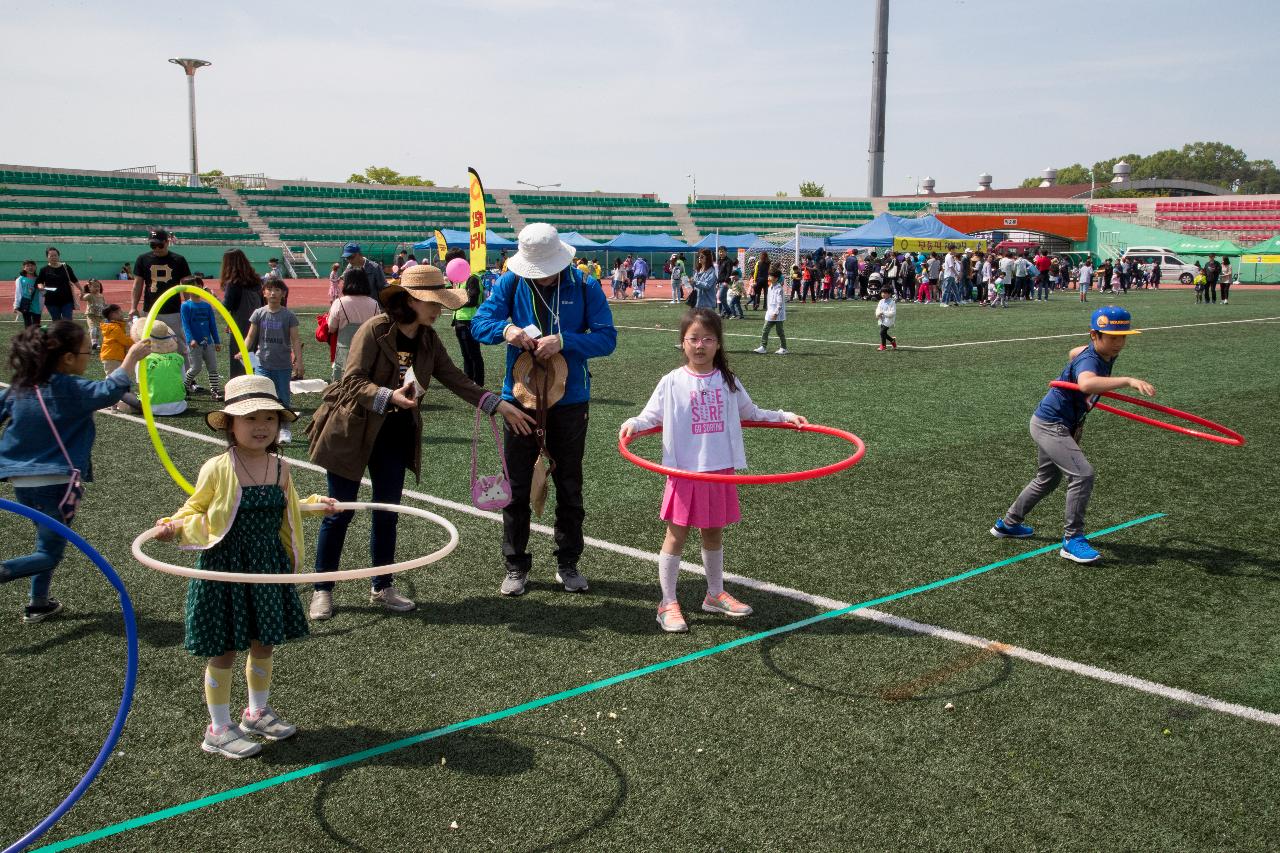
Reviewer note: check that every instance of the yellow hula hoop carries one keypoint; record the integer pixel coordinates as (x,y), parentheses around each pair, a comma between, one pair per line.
(310,577)
(143,393)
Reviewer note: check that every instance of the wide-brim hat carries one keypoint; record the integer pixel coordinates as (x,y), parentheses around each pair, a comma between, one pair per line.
(426,284)
(541,253)
(530,374)
(244,395)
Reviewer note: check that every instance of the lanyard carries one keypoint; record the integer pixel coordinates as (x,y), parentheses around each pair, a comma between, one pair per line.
(553,313)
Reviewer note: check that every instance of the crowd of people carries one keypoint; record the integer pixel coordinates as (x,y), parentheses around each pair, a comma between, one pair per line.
(548,310)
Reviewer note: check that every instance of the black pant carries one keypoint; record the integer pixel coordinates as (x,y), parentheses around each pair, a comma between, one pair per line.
(885,338)
(32,318)
(472,358)
(1211,291)
(566,442)
(1226,288)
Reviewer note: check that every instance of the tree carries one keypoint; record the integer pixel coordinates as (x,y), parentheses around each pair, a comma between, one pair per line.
(218,178)
(1209,162)
(388,177)
(780,194)
(811,189)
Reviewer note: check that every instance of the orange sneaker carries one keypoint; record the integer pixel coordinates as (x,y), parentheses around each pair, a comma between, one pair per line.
(671,619)
(726,604)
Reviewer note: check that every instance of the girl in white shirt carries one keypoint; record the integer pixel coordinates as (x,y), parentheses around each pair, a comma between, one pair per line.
(887,316)
(700,407)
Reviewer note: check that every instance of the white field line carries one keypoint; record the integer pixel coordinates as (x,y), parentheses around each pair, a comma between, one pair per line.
(1107,676)
(974,343)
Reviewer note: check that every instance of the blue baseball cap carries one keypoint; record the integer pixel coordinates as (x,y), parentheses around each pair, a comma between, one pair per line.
(350,249)
(1113,320)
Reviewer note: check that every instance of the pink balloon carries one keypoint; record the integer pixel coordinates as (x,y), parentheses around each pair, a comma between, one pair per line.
(457,270)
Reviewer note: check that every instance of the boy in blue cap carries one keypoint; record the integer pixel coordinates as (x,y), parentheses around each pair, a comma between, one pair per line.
(1056,428)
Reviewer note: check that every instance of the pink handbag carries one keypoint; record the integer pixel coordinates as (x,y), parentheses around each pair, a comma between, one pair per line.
(492,492)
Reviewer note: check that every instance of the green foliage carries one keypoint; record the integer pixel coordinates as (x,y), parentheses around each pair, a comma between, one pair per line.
(812,189)
(1209,162)
(217,178)
(388,177)
(780,194)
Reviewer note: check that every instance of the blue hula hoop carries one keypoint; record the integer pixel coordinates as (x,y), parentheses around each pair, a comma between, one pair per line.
(130,677)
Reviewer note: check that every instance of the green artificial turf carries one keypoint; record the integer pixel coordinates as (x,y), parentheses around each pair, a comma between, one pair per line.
(831,737)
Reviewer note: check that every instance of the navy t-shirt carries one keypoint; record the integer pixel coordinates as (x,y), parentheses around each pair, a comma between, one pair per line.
(1070,407)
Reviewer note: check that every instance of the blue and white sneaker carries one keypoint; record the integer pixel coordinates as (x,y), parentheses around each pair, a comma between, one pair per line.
(1077,549)
(1011,531)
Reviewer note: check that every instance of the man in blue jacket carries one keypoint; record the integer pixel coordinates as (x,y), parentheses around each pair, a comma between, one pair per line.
(544,306)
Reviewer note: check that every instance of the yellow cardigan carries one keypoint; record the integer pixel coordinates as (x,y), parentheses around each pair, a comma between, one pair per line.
(210,511)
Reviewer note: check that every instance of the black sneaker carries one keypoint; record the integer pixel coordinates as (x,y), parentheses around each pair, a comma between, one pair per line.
(41,612)
(573,580)
(514,582)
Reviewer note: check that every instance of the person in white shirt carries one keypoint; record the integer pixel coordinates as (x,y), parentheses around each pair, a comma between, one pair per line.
(701,406)
(950,275)
(887,316)
(1086,278)
(775,313)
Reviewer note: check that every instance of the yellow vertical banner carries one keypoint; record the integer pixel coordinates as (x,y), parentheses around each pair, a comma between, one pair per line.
(479,223)
(442,245)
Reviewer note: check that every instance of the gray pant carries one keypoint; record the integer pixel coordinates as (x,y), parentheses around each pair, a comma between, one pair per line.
(1057,453)
(204,356)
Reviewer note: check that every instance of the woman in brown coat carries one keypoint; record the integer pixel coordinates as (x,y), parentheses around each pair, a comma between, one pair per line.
(370,420)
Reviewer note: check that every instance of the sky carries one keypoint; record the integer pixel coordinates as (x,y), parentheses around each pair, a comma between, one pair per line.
(751,97)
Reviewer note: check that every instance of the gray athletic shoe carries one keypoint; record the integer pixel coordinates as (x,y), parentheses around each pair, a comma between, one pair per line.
(392,600)
(229,742)
(573,580)
(267,725)
(513,584)
(321,605)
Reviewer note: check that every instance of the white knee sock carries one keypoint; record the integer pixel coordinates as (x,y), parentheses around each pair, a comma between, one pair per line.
(668,571)
(713,562)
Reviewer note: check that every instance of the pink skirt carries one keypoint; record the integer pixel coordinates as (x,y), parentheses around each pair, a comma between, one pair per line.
(698,503)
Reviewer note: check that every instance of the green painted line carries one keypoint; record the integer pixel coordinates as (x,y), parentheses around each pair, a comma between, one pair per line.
(423,737)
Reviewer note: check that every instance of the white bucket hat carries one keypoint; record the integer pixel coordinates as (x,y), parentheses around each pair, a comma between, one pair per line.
(541,253)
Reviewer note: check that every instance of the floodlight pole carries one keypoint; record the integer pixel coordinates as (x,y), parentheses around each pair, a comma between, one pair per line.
(190,66)
(879,65)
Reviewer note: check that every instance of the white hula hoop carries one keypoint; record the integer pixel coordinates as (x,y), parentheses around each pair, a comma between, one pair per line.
(310,577)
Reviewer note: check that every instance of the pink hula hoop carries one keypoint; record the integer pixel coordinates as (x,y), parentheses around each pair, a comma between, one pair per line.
(751,479)
(1225,436)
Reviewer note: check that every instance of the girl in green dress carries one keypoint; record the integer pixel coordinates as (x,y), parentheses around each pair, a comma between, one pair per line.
(244,516)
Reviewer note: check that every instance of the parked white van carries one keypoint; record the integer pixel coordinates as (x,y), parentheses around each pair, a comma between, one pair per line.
(1172,267)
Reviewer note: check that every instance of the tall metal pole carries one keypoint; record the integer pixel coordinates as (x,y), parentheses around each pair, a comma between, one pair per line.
(879,63)
(190,66)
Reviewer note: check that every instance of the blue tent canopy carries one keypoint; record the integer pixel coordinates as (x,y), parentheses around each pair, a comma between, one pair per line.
(582,244)
(881,231)
(629,242)
(730,241)
(462,240)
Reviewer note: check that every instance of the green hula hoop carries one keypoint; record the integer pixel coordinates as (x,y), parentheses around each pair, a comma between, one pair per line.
(143,393)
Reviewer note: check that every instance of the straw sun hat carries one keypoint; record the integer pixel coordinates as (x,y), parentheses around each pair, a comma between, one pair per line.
(426,284)
(541,253)
(246,394)
(529,375)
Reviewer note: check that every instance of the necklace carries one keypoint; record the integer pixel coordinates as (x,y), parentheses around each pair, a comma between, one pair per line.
(252,479)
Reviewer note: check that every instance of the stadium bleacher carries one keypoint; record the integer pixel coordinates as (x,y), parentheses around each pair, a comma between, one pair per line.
(598,217)
(301,213)
(57,205)
(730,215)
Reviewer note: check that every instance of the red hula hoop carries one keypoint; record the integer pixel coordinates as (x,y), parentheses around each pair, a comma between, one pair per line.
(1226,436)
(751,479)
